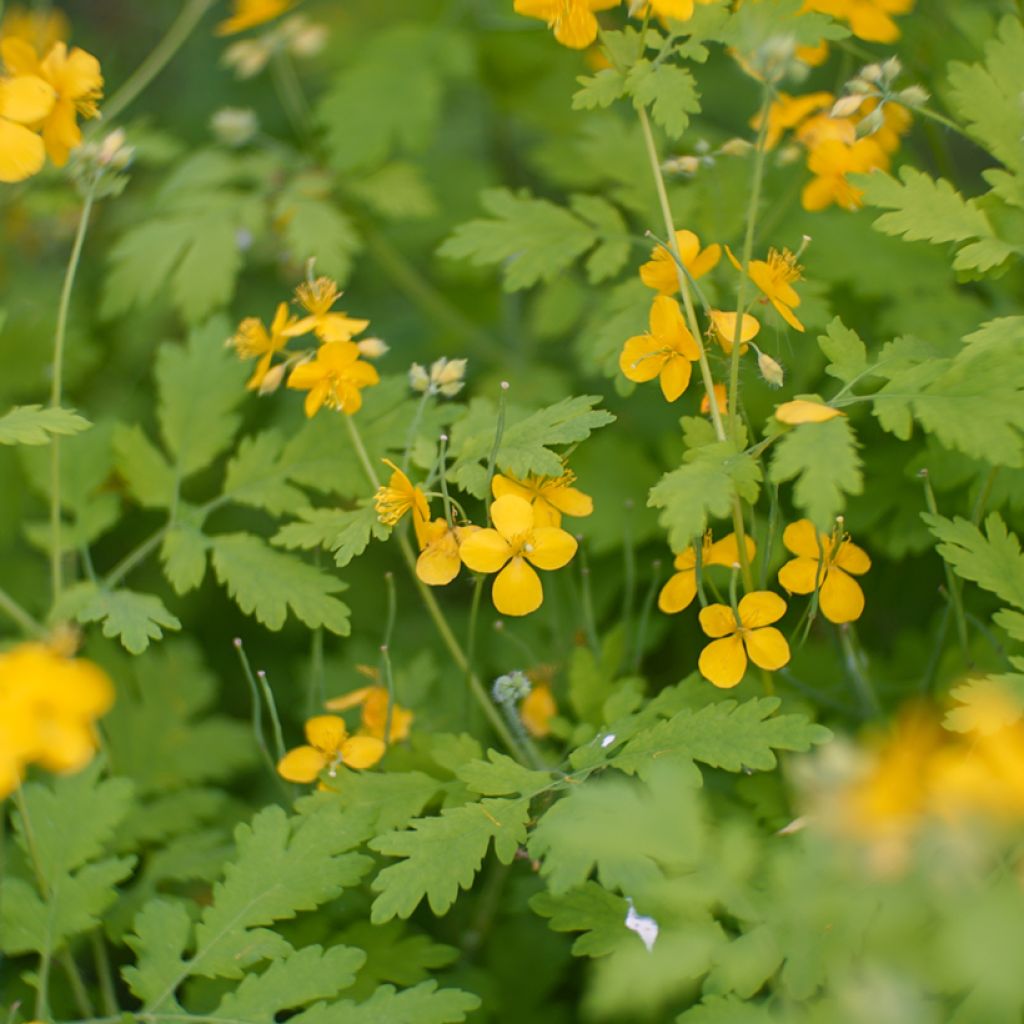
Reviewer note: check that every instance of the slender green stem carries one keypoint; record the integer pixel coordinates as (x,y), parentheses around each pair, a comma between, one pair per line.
(628,570)
(434,610)
(289,91)
(645,616)
(104,972)
(57,385)
(135,557)
(275,721)
(17,614)
(769,541)
(256,713)
(385,653)
(587,603)
(46,955)
(78,990)
(858,671)
(181,28)
(417,419)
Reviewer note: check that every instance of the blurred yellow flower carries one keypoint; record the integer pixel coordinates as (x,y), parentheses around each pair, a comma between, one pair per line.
(250,13)
(677,10)
(830,161)
(681,588)
(750,635)
(775,277)
(25,101)
(329,745)
(825,563)
(317,297)
(40,29)
(252,339)
(551,496)
(666,351)
(537,709)
(721,400)
(573,21)
(372,702)
(660,272)
(787,112)
(870,20)
(511,549)
(335,378)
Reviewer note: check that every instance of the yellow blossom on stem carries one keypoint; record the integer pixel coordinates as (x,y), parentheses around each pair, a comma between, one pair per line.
(551,496)
(870,20)
(439,562)
(77,88)
(372,702)
(775,277)
(398,496)
(721,400)
(787,112)
(335,378)
(660,272)
(680,590)
(572,21)
(316,298)
(252,339)
(537,709)
(826,563)
(737,638)
(511,549)
(328,745)
(830,162)
(666,351)
(250,13)
(25,100)
(723,327)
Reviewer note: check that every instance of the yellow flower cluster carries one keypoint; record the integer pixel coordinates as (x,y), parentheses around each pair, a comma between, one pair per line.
(334,375)
(41,99)
(49,704)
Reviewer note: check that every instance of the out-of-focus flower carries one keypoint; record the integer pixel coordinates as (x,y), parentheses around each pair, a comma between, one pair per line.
(234,126)
(335,378)
(801,411)
(252,339)
(537,710)
(373,702)
(317,297)
(572,21)
(40,29)
(248,14)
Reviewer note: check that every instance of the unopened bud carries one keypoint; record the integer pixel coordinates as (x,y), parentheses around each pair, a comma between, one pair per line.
(735,147)
(913,96)
(871,123)
(847,106)
(307,39)
(419,379)
(247,58)
(113,152)
(871,73)
(770,370)
(234,126)
(892,69)
(272,379)
(372,348)
(511,688)
(682,165)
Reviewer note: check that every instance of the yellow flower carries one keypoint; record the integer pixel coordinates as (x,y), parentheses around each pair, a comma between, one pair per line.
(77,86)
(677,10)
(511,549)
(830,162)
(40,29)
(801,411)
(537,710)
(573,21)
(48,707)
(439,562)
(250,13)
(774,277)
(723,327)
(660,272)
(399,496)
(824,563)
(372,702)
(551,496)
(724,661)
(681,588)
(335,378)
(721,400)
(253,339)
(665,352)
(329,746)
(787,112)
(896,121)
(870,20)
(25,101)
(316,298)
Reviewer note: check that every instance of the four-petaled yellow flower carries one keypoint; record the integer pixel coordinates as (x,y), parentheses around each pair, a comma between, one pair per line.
(665,352)
(824,563)
(775,276)
(511,549)
(551,496)
(537,709)
(681,588)
(573,21)
(329,745)
(250,13)
(335,378)
(317,297)
(723,327)
(398,496)
(661,273)
(439,562)
(252,339)
(372,702)
(76,84)
(750,635)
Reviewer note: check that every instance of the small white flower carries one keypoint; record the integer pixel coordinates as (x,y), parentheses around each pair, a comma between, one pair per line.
(645,927)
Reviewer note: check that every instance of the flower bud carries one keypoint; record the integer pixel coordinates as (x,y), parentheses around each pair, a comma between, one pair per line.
(871,123)
(735,147)
(446,373)
(871,73)
(892,69)
(770,370)
(846,106)
(234,126)
(913,96)
(511,688)
(682,165)
(419,379)
(247,58)
(305,38)
(272,379)
(373,348)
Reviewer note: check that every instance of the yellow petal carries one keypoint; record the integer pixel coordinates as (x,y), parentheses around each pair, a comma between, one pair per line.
(675,376)
(576,28)
(760,608)
(723,662)
(717,620)
(502,485)
(348,700)
(517,589)
(326,733)
(767,648)
(512,516)
(362,751)
(551,547)
(26,98)
(485,551)
(571,502)
(439,563)
(678,593)
(798,575)
(724,325)
(803,539)
(787,314)
(19,57)
(841,599)
(642,358)
(851,558)
(22,153)
(537,710)
(727,552)
(666,318)
(801,411)
(303,764)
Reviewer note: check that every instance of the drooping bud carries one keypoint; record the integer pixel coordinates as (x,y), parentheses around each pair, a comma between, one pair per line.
(847,106)
(770,370)
(272,379)
(373,348)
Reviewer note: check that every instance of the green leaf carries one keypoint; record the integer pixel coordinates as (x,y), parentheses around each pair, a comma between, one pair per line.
(669,90)
(346,532)
(847,353)
(162,931)
(199,384)
(398,191)
(255,477)
(590,909)
(728,1010)
(745,964)
(315,227)
(443,854)
(392,798)
(34,424)
(704,486)
(395,955)
(823,459)
(599,90)
(424,1004)
(266,583)
(133,618)
(611,254)
(533,239)
(499,775)
(183,556)
(721,735)
(144,468)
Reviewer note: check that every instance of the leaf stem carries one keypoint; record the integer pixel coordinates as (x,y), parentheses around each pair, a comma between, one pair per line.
(46,954)
(16,613)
